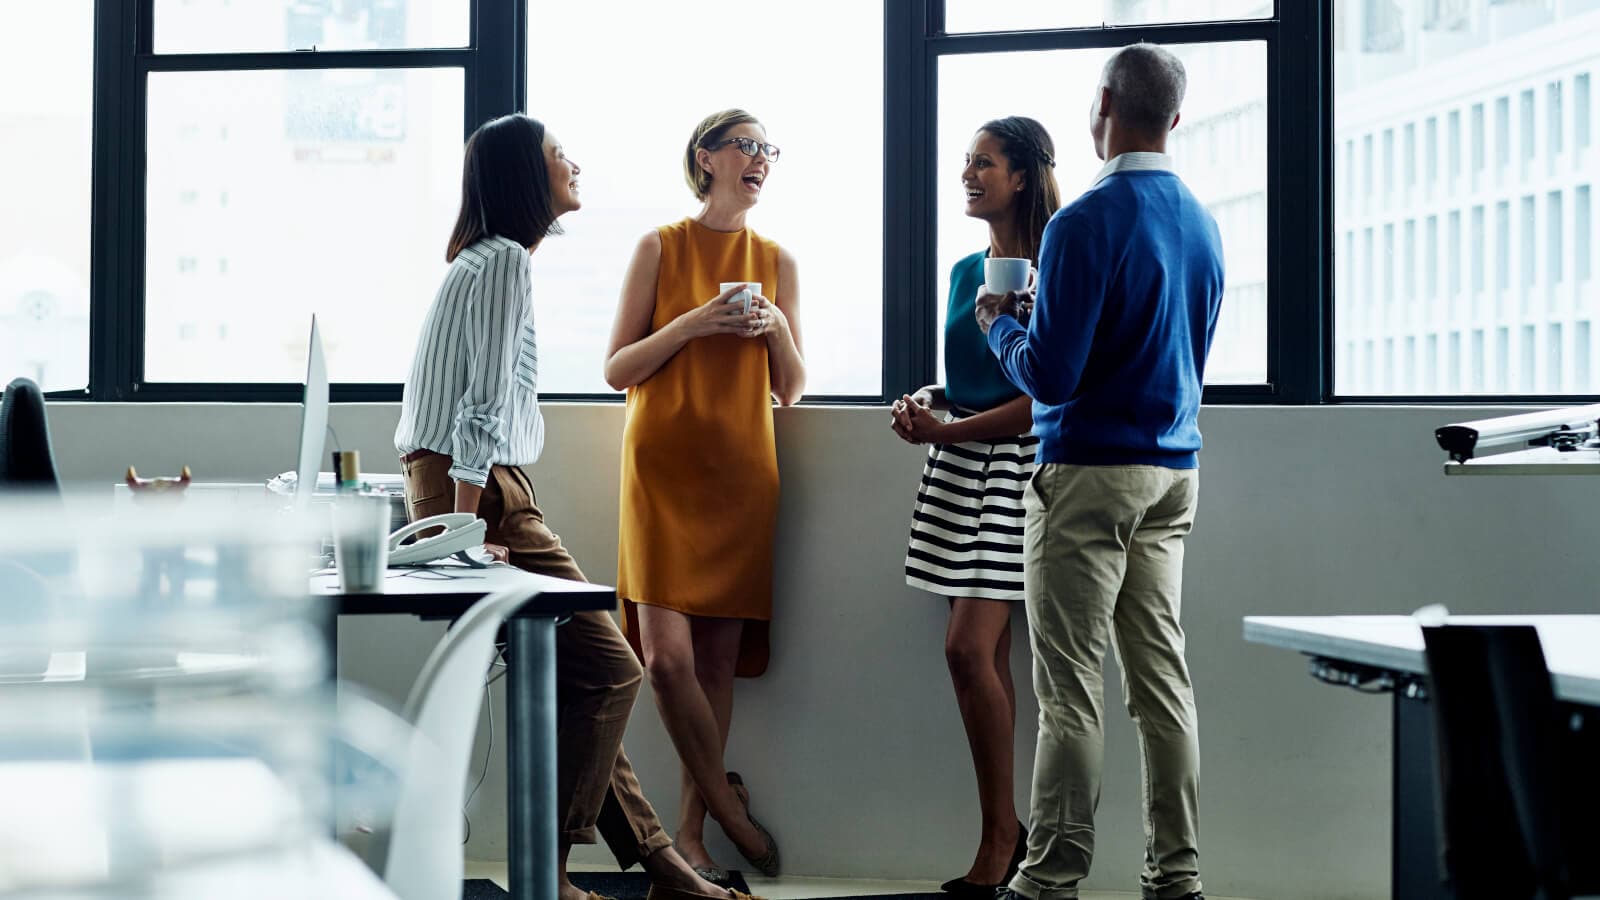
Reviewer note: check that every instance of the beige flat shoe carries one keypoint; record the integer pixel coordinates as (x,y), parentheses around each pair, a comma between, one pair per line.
(768,863)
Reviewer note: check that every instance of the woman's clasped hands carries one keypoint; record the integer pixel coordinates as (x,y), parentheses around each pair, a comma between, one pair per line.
(912,418)
(719,316)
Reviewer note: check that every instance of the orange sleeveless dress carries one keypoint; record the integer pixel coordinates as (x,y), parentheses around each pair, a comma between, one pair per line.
(699,464)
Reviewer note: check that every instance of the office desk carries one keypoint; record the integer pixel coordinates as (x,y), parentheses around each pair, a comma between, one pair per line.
(1533,461)
(446,591)
(1386,652)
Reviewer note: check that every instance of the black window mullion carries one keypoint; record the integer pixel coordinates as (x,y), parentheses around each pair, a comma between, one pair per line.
(910,107)
(302,59)
(1299,227)
(1099,38)
(111,300)
(495,29)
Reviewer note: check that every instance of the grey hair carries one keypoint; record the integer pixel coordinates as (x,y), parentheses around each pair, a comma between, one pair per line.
(1147,84)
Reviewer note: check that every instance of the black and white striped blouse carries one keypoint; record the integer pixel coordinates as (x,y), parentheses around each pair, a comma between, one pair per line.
(473,389)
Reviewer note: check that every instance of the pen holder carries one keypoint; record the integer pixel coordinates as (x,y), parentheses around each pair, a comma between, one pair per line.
(360,542)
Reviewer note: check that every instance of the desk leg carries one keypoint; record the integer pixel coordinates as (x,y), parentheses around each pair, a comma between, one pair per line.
(1414,868)
(531,758)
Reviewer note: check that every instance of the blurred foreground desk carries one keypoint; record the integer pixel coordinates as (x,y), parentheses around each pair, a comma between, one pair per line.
(1384,653)
(446,591)
(155,829)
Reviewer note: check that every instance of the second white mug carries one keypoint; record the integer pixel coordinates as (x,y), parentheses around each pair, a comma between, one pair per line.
(1002,274)
(745,296)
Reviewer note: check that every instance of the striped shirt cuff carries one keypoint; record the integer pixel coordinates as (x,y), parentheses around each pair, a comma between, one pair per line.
(470,475)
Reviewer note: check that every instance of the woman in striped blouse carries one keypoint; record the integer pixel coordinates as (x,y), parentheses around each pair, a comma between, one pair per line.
(966,528)
(469,422)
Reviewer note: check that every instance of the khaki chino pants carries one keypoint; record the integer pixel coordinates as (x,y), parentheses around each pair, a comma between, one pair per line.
(597,675)
(1103,566)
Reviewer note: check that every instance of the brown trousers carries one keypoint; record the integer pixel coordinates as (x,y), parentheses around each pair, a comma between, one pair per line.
(597,675)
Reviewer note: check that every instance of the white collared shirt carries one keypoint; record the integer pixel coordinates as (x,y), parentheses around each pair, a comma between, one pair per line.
(1138,161)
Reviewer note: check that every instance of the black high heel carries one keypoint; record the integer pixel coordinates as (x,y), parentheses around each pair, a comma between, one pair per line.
(968,890)
(1019,854)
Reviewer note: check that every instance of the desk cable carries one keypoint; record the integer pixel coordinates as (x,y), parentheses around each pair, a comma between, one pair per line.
(497,671)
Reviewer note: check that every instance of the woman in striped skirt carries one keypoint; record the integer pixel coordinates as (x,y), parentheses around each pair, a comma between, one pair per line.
(966,528)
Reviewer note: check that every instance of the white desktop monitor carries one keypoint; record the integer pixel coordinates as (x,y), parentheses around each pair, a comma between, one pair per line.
(313,420)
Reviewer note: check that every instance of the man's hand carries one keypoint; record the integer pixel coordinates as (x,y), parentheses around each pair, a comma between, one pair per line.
(990,307)
(931,396)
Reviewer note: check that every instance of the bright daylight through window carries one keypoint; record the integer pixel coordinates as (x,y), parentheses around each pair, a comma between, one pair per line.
(273,195)
(44,232)
(625,113)
(1219,147)
(1463,197)
(209,26)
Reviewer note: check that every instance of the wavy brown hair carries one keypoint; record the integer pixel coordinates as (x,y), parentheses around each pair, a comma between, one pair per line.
(1029,149)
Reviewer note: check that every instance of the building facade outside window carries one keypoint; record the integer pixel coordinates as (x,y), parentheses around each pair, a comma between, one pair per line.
(1518,183)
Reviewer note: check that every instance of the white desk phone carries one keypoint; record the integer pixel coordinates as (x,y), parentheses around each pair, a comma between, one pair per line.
(462,532)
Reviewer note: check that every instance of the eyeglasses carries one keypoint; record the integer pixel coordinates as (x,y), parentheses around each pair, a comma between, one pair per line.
(749,147)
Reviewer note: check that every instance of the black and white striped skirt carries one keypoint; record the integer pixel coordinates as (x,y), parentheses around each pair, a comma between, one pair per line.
(966,529)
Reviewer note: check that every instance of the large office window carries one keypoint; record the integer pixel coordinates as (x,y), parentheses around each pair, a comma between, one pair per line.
(1517,60)
(260,163)
(1044,60)
(1436,240)
(625,115)
(366,164)
(1220,148)
(45,141)
(275,194)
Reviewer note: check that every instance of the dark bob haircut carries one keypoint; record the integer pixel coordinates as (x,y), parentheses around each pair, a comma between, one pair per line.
(505,185)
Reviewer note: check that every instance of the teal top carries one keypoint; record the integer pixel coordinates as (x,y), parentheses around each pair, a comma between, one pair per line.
(973,377)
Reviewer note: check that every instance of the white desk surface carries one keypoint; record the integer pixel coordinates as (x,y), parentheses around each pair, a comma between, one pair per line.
(1571,643)
(450,577)
(1533,461)
(446,590)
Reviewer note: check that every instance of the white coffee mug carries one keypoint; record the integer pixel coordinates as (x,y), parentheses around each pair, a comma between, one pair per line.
(360,542)
(1002,274)
(745,296)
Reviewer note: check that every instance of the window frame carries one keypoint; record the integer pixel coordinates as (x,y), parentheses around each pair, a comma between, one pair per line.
(1299,40)
(492,67)
(1297,232)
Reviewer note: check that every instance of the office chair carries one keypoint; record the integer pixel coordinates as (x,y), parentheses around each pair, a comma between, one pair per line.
(422,859)
(1511,785)
(25,457)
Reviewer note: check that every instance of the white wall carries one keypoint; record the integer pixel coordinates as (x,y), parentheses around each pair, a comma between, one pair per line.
(852,744)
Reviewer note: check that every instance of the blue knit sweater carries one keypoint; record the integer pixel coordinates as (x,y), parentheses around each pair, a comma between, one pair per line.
(1130,282)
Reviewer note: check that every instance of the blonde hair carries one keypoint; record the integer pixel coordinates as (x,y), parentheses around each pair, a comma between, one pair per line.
(710,130)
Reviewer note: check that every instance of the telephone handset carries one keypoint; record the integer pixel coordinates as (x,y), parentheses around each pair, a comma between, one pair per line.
(462,532)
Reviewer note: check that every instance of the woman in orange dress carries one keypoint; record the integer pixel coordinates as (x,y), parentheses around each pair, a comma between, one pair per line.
(699,465)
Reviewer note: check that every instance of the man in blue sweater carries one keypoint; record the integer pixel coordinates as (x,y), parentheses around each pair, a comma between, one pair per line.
(1130,282)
